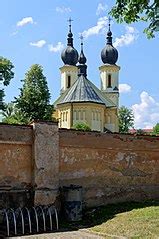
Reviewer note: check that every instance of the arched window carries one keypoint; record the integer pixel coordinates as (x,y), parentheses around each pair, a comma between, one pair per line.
(84,115)
(63,116)
(66,116)
(81,114)
(74,115)
(109,81)
(68,81)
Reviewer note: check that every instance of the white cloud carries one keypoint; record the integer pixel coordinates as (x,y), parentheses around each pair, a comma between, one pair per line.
(57,48)
(99,28)
(39,43)
(127,39)
(101,8)
(124,88)
(146,112)
(63,9)
(24,21)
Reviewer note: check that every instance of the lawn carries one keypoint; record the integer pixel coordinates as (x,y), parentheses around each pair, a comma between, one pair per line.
(129,220)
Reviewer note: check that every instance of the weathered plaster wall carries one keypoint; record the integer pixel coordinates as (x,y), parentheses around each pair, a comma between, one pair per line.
(46,163)
(15,164)
(110,167)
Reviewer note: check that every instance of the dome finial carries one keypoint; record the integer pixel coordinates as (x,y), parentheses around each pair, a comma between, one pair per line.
(81,37)
(82,68)
(109,21)
(70,35)
(70,20)
(109,33)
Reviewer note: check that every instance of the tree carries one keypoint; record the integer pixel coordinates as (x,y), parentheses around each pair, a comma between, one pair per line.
(140,132)
(126,119)
(33,102)
(138,10)
(82,126)
(6,74)
(156,129)
(11,115)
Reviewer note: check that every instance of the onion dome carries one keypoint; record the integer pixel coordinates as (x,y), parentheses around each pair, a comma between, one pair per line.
(109,54)
(82,68)
(69,55)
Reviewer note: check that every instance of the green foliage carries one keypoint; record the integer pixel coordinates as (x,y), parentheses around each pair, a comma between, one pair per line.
(6,67)
(126,119)
(11,115)
(140,10)
(6,74)
(82,126)
(140,132)
(156,129)
(1,99)
(33,102)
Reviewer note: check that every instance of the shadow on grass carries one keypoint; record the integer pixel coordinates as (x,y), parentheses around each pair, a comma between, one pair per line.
(96,216)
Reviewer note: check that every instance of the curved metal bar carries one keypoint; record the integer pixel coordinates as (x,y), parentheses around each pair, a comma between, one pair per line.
(22,219)
(56,216)
(29,219)
(37,221)
(50,217)
(7,221)
(44,222)
(15,222)
(57,221)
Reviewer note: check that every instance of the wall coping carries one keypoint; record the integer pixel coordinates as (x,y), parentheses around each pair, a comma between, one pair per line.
(16,125)
(61,130)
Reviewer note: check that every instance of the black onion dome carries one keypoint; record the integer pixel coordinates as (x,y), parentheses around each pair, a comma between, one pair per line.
(109,54)
(69,55)
(82,59)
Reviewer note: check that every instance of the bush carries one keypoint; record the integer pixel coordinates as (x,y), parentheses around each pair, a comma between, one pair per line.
(81,126)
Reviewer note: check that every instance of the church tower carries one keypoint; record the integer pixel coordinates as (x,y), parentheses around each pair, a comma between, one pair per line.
(69,57)
(80,100)
(109,71)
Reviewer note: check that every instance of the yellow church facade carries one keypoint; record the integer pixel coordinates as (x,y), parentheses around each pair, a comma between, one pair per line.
(80,101)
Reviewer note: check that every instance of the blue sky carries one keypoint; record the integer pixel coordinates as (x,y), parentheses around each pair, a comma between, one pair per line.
(35,31)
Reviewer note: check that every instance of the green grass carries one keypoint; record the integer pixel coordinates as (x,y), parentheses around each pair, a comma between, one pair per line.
(130,220)
(134,220)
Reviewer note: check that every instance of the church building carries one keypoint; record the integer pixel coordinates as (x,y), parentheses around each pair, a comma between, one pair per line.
(80,100)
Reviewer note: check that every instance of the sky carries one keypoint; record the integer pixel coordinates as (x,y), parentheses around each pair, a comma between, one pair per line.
(35,32)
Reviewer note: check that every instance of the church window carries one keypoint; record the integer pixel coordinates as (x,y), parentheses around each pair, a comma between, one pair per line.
(97,116)
(74,115)
(81,114)
(109,81)
(108,119)
(84,115)
(77,115)
(63,116)
(68,81)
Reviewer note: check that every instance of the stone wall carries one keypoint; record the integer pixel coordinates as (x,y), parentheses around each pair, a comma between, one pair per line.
(15,164)
(110,167)
(36,160)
